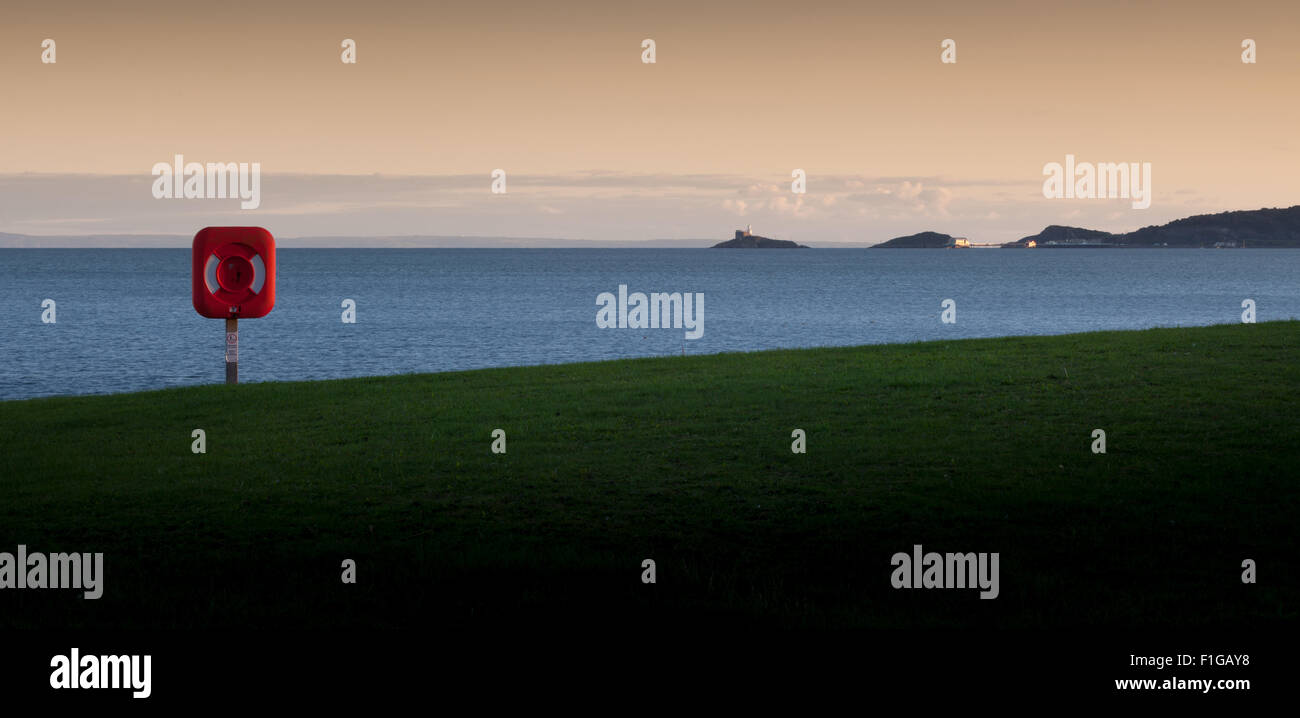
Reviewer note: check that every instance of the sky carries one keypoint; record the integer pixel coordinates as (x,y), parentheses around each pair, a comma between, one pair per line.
(597,144)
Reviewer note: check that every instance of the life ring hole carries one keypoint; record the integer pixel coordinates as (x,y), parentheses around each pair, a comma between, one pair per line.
(235,274)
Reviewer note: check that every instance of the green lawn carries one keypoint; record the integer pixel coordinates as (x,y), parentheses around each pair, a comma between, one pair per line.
(973,445)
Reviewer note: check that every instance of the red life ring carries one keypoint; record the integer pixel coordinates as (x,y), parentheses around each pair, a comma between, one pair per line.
(234,272)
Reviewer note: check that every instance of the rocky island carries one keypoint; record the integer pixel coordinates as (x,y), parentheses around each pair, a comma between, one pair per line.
(920,240)
(744,239)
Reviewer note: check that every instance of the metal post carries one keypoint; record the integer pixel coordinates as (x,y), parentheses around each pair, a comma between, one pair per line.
(232,351)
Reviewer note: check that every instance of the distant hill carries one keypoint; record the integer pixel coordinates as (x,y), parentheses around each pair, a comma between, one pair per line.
(1055,235)
(921,240)
(28,241)
(1256,228)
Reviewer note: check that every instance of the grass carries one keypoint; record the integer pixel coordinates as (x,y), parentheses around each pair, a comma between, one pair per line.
(972,445)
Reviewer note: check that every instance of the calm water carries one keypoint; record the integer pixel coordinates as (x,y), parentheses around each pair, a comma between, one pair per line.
(125,321)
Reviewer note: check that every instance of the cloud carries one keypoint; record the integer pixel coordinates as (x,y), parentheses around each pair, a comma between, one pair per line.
(782,204)
(738,206)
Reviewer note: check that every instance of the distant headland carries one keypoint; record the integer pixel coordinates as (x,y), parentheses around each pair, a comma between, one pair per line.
(1257,228)
(746,239)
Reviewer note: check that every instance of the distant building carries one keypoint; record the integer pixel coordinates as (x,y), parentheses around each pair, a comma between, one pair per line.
(959,243)
(742,233)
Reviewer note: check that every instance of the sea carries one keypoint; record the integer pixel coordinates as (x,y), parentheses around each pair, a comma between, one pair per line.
(123,319)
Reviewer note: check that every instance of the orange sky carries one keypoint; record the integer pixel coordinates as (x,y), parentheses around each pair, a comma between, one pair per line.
(745,89)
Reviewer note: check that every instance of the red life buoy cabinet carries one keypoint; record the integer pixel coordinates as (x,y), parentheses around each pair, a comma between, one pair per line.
(233,272)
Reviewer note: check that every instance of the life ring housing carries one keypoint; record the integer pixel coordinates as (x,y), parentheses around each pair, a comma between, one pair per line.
(234,272)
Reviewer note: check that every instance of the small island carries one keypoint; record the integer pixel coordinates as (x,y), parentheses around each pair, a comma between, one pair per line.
(745,239)
(920,240)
